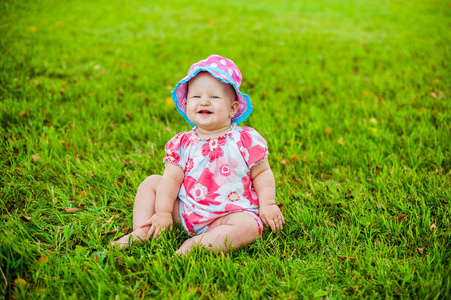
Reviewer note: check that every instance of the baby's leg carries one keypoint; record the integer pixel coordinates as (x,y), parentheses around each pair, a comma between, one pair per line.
(236,229)
(143,209)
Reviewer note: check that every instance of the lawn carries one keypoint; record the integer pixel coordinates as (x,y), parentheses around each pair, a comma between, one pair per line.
(352,96)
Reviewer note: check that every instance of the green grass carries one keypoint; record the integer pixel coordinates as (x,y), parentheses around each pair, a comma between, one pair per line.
(353,98)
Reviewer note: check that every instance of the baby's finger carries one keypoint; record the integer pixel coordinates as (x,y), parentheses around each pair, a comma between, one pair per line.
(147,223)
(276,225)
(280,218)
(281,224)
(156,233)
(273,225)
(150,232)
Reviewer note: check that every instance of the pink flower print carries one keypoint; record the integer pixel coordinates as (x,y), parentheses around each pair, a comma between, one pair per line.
(212,148)
(251,154)
(172,156)
(256,154)
(224,170)
(189,219)
(203,190)
(189,165)
(171,150)
(199,192)
(230,207)
(233,196)
(244,153)
(189,139)
(174,143)
(249,190)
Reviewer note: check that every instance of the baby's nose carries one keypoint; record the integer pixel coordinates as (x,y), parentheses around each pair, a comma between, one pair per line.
(205,101)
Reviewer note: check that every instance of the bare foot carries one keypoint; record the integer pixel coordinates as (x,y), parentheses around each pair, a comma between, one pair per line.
(137,236)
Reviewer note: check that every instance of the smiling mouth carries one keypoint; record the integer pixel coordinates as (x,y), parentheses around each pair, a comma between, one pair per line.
(205,112)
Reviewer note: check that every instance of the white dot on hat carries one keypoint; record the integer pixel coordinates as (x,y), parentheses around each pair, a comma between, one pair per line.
(213,65)
(223,62)
(237,72)
(230,72)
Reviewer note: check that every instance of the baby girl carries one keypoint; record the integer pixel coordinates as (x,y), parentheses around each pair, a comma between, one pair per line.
(217,180)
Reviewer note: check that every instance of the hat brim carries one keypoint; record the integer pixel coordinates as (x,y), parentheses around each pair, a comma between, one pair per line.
(179,94)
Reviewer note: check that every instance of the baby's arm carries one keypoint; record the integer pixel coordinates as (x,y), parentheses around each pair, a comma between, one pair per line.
(167,192)
(265,186)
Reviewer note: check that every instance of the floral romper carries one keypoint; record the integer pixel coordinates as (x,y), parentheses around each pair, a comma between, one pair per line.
(217,175)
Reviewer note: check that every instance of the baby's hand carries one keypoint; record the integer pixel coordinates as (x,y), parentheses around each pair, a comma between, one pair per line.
(272,216)
(158,223)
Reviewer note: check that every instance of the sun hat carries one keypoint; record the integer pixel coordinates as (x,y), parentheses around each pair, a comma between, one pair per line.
(222,69)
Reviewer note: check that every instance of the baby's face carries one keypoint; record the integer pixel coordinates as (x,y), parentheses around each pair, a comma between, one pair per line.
(210,103)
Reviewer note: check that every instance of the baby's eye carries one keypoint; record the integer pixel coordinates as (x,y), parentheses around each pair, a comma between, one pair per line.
(214,97)
(196,96)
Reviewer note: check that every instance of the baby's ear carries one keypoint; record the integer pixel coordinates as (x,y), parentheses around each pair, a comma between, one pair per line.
(235,107)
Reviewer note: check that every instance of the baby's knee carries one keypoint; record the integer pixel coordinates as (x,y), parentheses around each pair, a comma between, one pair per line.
(150,182)
(249,227)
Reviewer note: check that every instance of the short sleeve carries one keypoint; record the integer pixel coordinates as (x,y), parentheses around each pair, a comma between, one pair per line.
(253,146)
(174,151)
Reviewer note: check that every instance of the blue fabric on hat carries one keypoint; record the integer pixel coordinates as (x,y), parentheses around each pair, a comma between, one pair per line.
(212,71)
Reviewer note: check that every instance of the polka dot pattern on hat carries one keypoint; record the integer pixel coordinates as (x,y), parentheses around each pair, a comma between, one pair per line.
(222,69)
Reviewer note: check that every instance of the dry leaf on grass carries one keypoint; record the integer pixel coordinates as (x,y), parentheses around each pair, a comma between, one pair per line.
(20,281)
(35,157)
(433,227)
(84,193)
(283,161)
(112,218)
(346,257)
(169,102)
(43,259)
(23,114)
(109,232)
(124,231)
(25,218)
(71,209)
(420,250)
(295,157)
(331,224)
(327,131)
(128,162)
(402,217)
